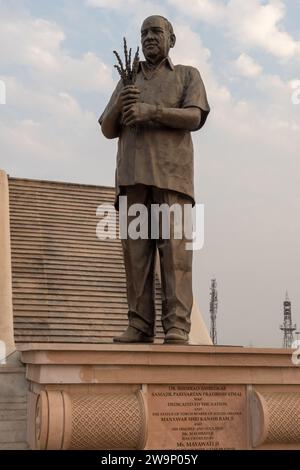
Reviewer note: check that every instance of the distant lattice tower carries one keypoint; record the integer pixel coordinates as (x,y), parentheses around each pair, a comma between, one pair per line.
(287,327)
(213,308)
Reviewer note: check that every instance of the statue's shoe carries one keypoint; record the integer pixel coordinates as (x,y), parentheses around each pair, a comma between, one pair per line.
(176,336)
(132,335)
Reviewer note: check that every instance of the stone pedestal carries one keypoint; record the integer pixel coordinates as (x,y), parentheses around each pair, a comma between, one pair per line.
(161,397)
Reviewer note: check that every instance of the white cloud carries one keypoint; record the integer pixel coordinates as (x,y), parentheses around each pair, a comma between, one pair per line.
(37,45)
(250,23)
(247,66)
(254,24)
(211,11)
(112,4)
(198,56)
(43,126)
(50,134)
(137,9)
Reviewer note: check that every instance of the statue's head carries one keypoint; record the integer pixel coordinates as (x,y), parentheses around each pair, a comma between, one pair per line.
(157,37)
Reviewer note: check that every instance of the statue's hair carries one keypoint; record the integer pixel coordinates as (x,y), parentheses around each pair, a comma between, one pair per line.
(167,22)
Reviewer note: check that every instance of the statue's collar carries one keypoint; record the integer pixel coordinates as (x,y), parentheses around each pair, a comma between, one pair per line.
(147,68)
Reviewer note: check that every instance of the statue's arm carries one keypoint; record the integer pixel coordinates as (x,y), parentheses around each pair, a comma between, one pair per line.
(110,121)
(177,118)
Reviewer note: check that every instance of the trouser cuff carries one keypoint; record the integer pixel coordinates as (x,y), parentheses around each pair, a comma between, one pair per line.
(137,322)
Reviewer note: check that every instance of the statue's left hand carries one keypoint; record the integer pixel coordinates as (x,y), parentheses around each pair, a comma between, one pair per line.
(138,113)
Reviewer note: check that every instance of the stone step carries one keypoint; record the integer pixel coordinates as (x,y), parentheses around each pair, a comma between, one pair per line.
(12,415)
(12,406)
(12,384)
(15,435)
(16,425)
(13,446)
(22,399)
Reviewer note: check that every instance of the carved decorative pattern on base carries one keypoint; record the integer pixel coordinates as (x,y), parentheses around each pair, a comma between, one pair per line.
(275,418)
(108,422)
(105,421)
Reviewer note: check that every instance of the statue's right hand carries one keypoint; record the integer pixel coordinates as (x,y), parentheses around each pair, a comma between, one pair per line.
(130,94)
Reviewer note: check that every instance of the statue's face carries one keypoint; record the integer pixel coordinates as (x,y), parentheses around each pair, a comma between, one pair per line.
(156,39)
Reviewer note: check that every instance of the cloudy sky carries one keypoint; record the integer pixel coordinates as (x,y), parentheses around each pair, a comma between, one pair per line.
(57,64)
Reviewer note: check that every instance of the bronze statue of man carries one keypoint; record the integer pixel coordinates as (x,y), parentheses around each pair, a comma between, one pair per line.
(153,121)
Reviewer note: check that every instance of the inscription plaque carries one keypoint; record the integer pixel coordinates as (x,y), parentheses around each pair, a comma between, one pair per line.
(209,417)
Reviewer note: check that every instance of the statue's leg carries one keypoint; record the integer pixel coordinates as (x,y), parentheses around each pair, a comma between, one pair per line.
(176,269)
(139,260)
